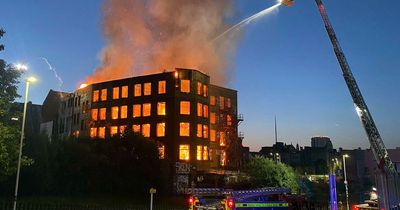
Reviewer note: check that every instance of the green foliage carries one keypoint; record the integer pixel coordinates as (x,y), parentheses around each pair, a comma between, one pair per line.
(264,172)
(9,137)
(9,80)
(9,132)
(119,166)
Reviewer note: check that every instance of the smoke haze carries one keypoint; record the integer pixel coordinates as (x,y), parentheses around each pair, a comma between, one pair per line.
(148,36)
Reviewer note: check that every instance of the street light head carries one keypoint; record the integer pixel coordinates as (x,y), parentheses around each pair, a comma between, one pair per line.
(21,67)
(31,79)
(346,155)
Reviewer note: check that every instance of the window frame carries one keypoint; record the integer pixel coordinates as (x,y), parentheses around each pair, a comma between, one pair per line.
(182,126)
(147,89)
(184,152)
(162,87)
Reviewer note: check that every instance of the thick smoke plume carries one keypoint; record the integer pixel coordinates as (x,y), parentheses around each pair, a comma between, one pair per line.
(149,36)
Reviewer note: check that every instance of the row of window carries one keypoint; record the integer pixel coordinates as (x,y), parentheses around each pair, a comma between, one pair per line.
(221,102)
(202,89)
(145,90)
(144,129)
(123,91)
(121,112)
(202,152)
(144,110)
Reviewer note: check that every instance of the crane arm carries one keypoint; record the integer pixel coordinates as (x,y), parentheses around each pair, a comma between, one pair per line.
(377,146)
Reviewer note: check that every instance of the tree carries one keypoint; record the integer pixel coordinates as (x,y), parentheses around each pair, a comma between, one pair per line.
(121,165)
(9,132)
(264,172)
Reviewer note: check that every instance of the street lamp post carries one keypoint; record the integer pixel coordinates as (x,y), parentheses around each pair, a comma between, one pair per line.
(345,180)
(29,80)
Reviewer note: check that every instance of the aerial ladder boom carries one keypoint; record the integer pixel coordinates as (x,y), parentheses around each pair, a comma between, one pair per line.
(379,151)
(377,145)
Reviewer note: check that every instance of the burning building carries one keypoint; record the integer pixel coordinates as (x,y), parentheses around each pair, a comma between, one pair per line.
(193,122)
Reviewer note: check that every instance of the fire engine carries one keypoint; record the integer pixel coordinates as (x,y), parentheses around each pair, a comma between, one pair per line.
(225,199)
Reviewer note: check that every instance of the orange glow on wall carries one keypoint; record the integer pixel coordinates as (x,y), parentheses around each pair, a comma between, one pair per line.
(205,153)
(146,130)
(222,140)
(212,100)
(184,152)
(205,131)
(162,87)
(161,108)
(185,86)
(116,93)
(199,130)
(122,129)
(212,135)
(223,158)
(124,112)
(212,117)
(221,102)
(185,107)
(205,90)
(228,120)
(136,128)
(113,130)
(199,109)
(205,111)
(94,114)
(199,88)
(137,90)
(137,110)
(114,112)
(199,152)
(146,109)
(103,95)
(160,129)
(103,113)
(124,91)
(184,129)
(147,89)
(95,96)
(93,132)
(102,132)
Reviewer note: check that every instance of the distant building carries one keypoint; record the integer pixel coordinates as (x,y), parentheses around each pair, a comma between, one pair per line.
(361,165)
(50,113)
(33,117)
(321,142)
(194,123)
(314,160)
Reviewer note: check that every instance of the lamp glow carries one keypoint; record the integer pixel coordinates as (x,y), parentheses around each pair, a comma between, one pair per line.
(31,79)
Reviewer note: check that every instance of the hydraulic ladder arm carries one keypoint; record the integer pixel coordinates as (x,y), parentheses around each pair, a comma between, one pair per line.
(377,146)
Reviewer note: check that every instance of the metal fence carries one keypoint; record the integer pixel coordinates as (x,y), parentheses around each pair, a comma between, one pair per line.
(43,206)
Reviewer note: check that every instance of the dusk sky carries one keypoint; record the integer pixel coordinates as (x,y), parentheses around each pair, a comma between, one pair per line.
(284,64)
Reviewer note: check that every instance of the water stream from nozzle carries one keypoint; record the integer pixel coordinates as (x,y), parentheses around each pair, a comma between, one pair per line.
(248,20)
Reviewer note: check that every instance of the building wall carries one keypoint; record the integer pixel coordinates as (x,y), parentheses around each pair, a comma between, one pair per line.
(77,110)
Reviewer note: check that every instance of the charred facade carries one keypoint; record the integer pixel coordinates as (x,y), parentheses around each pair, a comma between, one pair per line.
(192,121)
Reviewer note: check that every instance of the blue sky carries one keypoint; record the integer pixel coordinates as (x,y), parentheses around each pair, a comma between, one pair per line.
(284,64)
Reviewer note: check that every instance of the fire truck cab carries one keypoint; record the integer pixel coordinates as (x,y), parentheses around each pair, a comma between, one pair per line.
(220,199)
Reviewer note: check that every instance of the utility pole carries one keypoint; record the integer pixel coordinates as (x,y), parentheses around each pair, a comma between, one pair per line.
(276,132)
